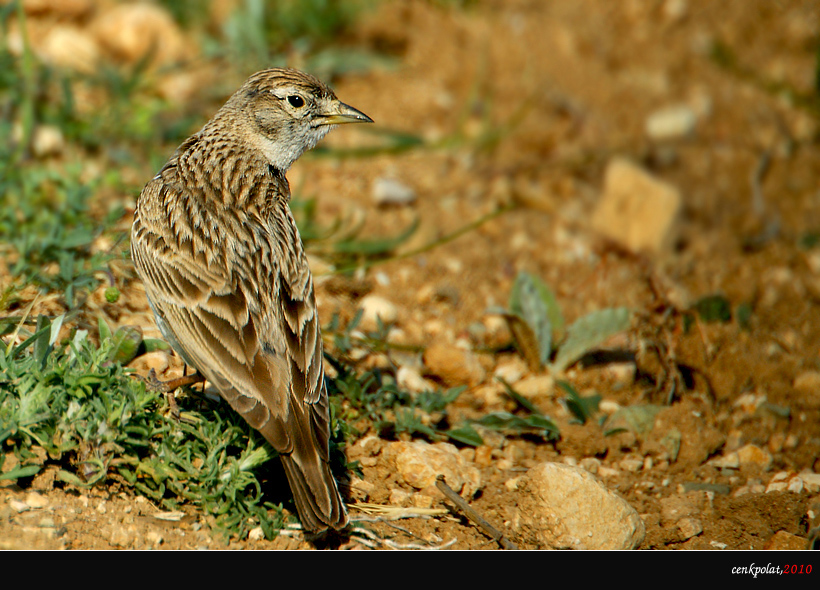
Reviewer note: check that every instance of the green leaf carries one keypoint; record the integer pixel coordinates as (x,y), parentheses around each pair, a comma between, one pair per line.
(583,408)
(518,398)
(507,421)
(466,434)
(714,308)
(55,329)
(105,330)
(530,300)
(588,332)
(18,472)
(41,344)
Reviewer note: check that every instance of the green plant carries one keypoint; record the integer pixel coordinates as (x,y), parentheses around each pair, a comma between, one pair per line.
(537,325)
(97,423)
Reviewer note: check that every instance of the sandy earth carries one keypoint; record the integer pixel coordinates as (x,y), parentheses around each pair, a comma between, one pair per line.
(576,80)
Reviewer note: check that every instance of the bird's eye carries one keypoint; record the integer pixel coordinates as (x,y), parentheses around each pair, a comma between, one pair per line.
(296,101)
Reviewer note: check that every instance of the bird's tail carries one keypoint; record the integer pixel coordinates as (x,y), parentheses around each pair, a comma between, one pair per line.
(315,492)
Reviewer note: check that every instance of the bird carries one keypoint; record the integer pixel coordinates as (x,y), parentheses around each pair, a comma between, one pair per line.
(227,278)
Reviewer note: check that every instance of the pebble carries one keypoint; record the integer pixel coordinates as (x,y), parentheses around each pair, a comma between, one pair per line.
(154,538)
(454,366)
(754,456)
(538,385)
(374,306)
(69,47)
(388,191)
(672,122)
(690,527)
(637,210)
(18,506)
(730,461)
(511,370)
(591,464)
(811,481)
(631,465)
(131,31)
(158,360)
(410,378)
(419,463)
(783,540)
(36,500)
(256,534)
(399,497)
(47,140)
(807,385)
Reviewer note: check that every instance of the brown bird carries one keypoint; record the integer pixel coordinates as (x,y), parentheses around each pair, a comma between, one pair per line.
(227,278)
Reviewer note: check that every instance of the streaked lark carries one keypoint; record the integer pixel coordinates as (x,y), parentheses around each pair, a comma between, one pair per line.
(227,278)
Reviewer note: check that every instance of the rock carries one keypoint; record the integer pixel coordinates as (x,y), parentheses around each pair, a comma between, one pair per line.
(752,456)
(511,370)
(676,508)
(409,378)
(419,463)
(256,534)
(131,32)
(566,507)
(361,489)
(637,210)
(158,360)
(36,500)
(18,506)
(374,307)
(671,122)
(154,538)
(387,191)
(536,386)
(47,140)
(454,366)
(70,47)
(675,10)
(807,385)
(689,527)
(782,540)
(399,497)
(811,481)
(729,461)
(631,465)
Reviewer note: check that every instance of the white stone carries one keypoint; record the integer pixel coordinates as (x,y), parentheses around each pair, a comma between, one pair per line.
(374,306)
(671,122)
(388,191)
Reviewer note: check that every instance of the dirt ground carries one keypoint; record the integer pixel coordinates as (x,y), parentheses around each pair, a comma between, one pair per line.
(571,85)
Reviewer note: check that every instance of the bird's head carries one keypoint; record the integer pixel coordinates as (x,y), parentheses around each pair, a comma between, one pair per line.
(285,112)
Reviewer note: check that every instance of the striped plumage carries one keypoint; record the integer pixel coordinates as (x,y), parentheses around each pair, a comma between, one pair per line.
(227,278)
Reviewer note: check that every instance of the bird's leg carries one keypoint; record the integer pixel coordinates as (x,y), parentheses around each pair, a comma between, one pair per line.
(170,386)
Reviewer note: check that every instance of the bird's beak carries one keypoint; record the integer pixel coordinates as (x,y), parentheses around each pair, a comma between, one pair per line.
(341,113)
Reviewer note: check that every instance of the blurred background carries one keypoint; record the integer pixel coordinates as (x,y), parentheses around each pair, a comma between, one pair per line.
(655,156)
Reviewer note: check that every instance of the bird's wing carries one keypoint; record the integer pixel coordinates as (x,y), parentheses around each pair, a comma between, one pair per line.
(243,314)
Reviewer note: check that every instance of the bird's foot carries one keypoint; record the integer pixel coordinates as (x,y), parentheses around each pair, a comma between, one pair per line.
(169,387)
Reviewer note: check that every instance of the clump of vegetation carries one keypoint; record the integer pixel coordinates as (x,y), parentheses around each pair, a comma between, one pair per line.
(97,423)
(537,325)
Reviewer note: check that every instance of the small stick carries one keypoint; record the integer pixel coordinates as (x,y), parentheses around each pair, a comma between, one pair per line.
(474,516)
